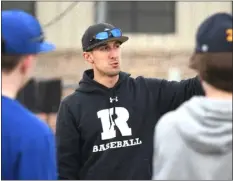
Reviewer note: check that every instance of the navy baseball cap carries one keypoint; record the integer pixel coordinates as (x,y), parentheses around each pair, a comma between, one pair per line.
(23,34)
(99,31)
(215,34)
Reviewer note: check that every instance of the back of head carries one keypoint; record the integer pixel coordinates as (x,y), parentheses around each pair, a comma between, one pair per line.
(213,54)
(22,35)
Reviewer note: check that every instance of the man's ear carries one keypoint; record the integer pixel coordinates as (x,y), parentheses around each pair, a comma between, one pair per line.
(88,57)
(26,63)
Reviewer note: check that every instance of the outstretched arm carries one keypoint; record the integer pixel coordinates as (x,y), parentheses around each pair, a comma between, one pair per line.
(171,94)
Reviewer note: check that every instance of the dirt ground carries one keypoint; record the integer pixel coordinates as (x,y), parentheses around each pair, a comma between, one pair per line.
(69,66)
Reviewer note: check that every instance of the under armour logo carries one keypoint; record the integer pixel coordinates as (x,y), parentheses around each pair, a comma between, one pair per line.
(113,99)
(204,48)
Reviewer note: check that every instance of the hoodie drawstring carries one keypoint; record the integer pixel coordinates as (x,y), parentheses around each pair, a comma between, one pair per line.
(112,117)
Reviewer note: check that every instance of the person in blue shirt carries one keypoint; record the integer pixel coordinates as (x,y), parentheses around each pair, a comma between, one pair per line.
(28,144)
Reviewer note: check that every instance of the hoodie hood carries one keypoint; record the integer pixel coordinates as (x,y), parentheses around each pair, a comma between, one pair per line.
(89,85)
(206,124)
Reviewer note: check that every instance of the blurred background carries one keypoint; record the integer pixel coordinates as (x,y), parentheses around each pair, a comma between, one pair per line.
(161,40)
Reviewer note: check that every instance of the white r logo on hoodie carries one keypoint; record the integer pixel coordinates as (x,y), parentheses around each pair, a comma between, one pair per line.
(108,124)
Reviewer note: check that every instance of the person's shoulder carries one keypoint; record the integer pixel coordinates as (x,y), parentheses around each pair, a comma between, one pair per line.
(167,123)
(35,127)
(75,97)
(33,133)
(21,122)
(39,126)
(166,132)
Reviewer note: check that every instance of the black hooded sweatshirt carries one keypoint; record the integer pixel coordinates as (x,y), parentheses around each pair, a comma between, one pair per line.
(107,133)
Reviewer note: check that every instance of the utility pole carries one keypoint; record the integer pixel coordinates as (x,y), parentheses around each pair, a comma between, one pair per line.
(101,11)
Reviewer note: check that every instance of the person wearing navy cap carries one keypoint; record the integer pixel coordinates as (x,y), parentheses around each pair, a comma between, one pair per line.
(105,128)
(28,145)
(194,142)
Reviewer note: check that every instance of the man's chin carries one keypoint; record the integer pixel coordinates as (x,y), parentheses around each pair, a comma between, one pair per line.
(113,73)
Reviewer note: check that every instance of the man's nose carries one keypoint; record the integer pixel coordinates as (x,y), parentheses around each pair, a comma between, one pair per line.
(113,53)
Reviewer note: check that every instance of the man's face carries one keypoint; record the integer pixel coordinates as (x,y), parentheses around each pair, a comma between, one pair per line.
(106,58)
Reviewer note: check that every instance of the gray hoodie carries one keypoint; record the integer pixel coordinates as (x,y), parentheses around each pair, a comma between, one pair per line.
(194,142)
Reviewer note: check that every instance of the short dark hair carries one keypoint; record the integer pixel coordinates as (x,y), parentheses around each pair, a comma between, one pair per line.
(214,68)
(8,62)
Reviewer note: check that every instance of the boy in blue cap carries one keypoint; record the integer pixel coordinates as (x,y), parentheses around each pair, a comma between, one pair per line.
(28,145)
(195,141)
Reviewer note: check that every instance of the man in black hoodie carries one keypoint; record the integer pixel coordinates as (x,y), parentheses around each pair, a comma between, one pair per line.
(105,128)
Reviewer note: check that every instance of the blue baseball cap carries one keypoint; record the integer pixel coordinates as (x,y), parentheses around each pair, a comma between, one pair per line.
(215,34)
(23,34)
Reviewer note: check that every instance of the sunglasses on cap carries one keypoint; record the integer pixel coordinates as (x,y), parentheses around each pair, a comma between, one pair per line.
(116,32)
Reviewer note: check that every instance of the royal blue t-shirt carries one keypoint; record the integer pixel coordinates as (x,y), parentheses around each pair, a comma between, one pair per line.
(28,145)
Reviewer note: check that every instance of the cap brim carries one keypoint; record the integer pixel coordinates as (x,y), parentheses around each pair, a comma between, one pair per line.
(46,47)
(121,39)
